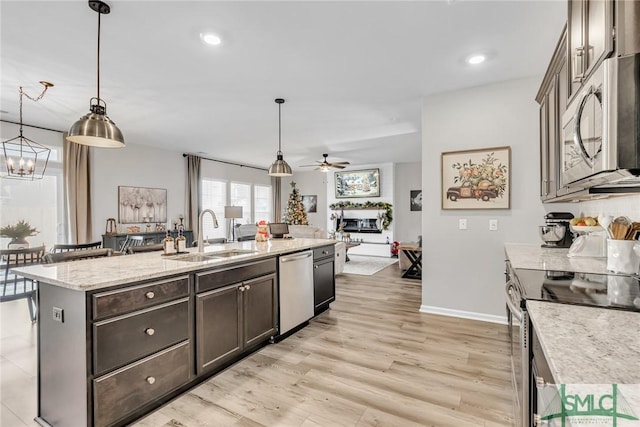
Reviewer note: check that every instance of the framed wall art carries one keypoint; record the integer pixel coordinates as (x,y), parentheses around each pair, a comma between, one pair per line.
(362,183)
(310,203)
(476,179)
(415,196)
(141,204)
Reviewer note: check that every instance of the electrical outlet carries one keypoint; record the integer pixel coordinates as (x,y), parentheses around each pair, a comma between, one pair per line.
(493,225)
(58,314)
(462,224)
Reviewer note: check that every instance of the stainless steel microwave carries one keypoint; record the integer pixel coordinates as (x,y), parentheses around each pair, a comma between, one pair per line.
(601,127)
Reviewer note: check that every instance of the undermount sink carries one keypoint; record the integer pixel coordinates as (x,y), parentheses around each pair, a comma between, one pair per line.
(208,256)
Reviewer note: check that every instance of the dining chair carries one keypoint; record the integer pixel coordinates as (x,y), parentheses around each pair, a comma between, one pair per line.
(12,285)
(64,247)
(51,258)
(144,248)
(131,241)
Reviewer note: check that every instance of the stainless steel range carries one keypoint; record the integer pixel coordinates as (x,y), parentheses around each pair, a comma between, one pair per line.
(612,291)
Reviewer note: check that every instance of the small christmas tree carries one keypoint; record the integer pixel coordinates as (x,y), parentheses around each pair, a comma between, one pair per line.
(295,213)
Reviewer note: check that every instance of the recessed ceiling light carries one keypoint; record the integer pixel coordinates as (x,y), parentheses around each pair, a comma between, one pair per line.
(476,59)
(211,39)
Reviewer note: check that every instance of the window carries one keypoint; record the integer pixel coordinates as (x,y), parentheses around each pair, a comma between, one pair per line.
(241,196)
(263,203)
(39,202)
(214,197)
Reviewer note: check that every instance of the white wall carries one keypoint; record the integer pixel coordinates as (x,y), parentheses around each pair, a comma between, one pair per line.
(136,166)
(408,224)
(309,184)
(463,270)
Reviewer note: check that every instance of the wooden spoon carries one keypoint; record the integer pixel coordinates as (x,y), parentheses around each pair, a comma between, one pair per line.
(633,230)
(619,227)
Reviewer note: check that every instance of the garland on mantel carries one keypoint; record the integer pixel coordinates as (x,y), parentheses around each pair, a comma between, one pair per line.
(386,217)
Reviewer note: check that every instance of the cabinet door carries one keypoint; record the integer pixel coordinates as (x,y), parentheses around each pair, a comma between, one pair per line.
(599,37)
(576,46)
(324,285)
(553,131)
(218,327)
(544,149)
(259,309)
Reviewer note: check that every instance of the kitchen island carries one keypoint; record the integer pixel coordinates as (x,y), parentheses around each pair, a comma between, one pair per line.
(120,336)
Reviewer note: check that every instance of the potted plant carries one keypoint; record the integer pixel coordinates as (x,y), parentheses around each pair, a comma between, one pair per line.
(18,234)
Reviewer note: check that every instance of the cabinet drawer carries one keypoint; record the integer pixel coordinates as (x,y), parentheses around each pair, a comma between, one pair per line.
(124,339)
(324,252)
(134,298)
(216,279)
(119,394)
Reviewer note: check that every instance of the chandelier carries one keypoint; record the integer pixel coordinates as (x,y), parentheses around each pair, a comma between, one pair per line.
(23,157)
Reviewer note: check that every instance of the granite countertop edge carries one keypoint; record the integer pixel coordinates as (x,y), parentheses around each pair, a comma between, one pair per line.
(98,273)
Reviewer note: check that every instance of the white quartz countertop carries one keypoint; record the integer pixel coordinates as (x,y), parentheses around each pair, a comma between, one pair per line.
(100,273)
(535,257)
(590,345)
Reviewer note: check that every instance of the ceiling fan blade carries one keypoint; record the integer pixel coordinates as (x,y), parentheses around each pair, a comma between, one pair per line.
(337,166)
(340,163)
(308,166)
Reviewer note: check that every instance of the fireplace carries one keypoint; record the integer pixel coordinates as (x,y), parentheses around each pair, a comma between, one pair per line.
(360,225)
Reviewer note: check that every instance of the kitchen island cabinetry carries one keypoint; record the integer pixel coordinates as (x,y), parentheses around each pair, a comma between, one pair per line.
(324,281)
(233,318)
(133,350)
(120,336)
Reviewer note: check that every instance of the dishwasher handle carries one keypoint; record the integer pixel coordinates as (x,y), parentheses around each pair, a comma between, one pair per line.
(296,257)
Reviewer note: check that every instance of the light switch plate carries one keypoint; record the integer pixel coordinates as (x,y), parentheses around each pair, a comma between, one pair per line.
(493,225)
(462,224)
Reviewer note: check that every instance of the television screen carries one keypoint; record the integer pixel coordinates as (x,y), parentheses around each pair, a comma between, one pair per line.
(278,230)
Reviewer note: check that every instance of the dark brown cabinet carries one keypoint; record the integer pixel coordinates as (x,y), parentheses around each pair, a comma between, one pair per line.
(324,283)
(552,97)
(590,38)
(539,376)
(233,318)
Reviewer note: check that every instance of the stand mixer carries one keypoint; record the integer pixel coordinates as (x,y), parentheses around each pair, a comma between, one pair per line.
(556,233)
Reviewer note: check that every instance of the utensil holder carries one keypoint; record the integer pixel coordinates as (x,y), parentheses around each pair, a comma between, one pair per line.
(623,256)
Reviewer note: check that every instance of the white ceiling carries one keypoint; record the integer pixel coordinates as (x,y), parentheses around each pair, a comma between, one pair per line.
(353,73)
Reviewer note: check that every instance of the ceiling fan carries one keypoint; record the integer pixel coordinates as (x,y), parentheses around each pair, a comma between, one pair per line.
(325,166)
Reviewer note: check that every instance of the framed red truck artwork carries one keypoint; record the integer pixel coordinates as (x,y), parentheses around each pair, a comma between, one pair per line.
(476,179)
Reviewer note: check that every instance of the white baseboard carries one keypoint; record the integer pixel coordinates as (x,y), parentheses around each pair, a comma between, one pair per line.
(464,314)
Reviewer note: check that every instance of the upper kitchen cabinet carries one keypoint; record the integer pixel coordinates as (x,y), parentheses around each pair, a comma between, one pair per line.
(590,38)
(552,97)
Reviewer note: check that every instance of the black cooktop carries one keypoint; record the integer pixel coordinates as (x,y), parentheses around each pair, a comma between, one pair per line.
(600,290)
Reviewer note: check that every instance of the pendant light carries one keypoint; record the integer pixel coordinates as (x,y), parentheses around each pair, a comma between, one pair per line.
(96,129)
(280,167)
(24,158)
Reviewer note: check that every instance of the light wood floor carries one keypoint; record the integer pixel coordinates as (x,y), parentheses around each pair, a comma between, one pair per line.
(372,360)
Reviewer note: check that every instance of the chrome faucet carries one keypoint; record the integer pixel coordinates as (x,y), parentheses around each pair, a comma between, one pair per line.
(200,218)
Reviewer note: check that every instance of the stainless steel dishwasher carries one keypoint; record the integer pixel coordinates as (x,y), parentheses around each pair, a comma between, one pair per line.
(296,290)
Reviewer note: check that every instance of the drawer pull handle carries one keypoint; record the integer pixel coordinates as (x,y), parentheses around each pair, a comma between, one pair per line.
(241,288)
(247,287)
(150,295)
(151,380)
(315,266)
(149,331)
(325,252)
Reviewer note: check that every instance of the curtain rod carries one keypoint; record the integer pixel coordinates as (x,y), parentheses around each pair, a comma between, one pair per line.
(32,126)
(224,161)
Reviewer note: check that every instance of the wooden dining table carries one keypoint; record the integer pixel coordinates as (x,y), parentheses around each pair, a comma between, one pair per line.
(414,255)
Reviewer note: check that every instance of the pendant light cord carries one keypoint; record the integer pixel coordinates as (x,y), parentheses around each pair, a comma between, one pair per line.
(279,129)
(99,13)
